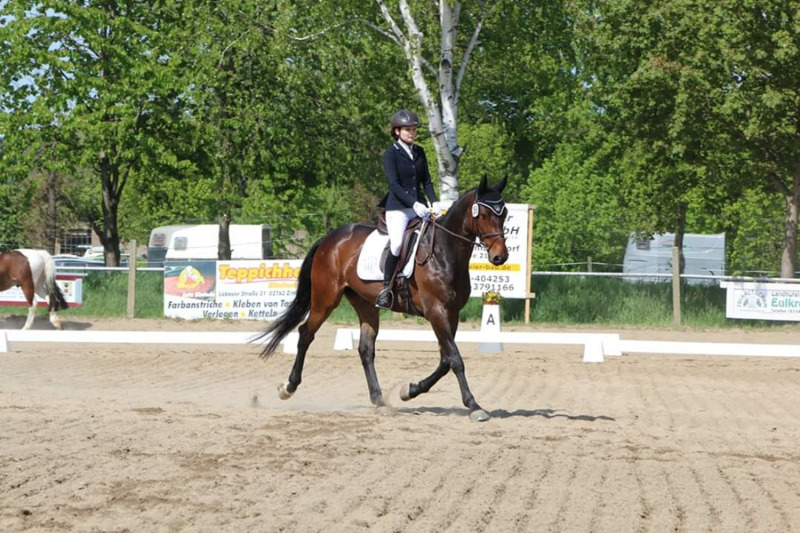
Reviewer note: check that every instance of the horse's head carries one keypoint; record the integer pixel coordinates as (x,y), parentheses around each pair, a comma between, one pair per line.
(488,213)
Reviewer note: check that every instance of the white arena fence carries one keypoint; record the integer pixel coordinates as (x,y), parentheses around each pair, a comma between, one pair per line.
(596,345)
(9,336)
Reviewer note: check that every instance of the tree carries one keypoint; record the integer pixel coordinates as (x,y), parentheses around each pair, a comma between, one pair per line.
(446,65)
(705,93)
(576,190)
(94,83)
(651,74)
(758,106)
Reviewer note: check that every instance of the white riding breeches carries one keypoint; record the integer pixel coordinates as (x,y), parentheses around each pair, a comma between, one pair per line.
(396,224)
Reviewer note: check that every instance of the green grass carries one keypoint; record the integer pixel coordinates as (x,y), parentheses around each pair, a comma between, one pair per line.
(105,294)
(559,300)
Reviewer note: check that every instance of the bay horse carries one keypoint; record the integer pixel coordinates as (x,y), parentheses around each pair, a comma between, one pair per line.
(438,289)
(35,273)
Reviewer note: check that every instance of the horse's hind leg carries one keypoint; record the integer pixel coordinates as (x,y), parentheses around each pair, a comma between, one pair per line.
(412,390)
(53,308)
(55,320)
(369,318)
(321,308)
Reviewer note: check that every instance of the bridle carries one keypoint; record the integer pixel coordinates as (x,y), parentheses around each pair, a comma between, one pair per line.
(496,206)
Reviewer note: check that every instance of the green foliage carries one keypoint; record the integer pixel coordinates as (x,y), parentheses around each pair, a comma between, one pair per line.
(578,210)
(94,94)
(13,204)
(606,115)
(750,218)
(489,151)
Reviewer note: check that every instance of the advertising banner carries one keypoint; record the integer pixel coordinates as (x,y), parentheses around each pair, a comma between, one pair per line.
(763,301)
(509,279)
(71,286)
(236,290)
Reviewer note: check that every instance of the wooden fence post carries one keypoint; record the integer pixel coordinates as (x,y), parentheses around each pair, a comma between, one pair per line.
(528,294)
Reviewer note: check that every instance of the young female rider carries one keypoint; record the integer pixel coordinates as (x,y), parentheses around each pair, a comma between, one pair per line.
(406,169)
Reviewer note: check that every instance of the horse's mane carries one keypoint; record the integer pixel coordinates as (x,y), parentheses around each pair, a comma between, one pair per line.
(460,206)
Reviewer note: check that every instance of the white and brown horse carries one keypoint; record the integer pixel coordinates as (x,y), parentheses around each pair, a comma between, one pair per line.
(35,273)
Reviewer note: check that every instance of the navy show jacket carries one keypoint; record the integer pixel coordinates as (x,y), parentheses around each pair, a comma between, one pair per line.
(406,177)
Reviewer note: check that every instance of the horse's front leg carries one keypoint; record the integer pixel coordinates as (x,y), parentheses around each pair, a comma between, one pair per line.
(450,359)
(450,350)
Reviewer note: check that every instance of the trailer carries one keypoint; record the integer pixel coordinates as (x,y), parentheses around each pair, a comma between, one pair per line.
(201,241)
(704,254)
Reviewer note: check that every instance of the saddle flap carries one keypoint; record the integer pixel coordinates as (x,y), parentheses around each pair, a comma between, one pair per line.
(409,240)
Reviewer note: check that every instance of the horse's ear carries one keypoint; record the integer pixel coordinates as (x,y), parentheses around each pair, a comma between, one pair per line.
(502,184)
(482,186)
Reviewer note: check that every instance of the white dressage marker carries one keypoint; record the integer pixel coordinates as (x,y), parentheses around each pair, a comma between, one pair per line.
(139,337)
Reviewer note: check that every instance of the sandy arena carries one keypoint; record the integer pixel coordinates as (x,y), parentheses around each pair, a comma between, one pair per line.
(194,438)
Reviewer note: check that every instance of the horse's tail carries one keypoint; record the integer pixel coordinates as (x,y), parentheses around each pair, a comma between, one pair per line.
(297,310)
(57,300)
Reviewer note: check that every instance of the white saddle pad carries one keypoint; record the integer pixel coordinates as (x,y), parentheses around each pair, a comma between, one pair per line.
(369,260)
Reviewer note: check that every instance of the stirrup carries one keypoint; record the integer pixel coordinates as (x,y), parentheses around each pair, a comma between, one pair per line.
(385,299)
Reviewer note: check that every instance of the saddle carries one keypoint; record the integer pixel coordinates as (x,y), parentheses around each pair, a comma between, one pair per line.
(409,240)
(399,281)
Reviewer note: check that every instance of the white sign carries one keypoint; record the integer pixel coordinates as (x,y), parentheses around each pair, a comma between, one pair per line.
(509,279)
(234,290)
(71,286)
(762,301)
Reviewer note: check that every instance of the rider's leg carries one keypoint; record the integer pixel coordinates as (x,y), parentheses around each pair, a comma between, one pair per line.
(396,223)
(385,299)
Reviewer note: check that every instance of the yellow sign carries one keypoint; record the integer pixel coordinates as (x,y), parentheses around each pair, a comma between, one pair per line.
(489,266)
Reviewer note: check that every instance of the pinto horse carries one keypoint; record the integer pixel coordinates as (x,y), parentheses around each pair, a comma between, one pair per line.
(438,289)
(35,273)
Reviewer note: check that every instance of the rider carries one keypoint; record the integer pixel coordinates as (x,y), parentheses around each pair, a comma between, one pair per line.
(407,173)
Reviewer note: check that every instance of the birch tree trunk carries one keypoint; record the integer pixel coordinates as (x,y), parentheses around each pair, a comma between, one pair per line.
(441,104)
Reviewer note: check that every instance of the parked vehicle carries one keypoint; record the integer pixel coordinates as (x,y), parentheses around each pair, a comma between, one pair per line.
(703,255)
(72,262)
(200,241)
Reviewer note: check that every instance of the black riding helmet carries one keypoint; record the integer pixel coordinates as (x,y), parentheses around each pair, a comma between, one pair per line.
(404,119)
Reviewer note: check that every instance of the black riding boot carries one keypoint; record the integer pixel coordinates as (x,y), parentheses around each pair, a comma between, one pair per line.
(386,298)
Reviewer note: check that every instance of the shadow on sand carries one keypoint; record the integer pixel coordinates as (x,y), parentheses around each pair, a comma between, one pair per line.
(502,413)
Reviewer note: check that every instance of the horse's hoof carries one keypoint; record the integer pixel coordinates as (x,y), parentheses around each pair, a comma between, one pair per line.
(283,393)
(385,410)
(405,392)
(479,415)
